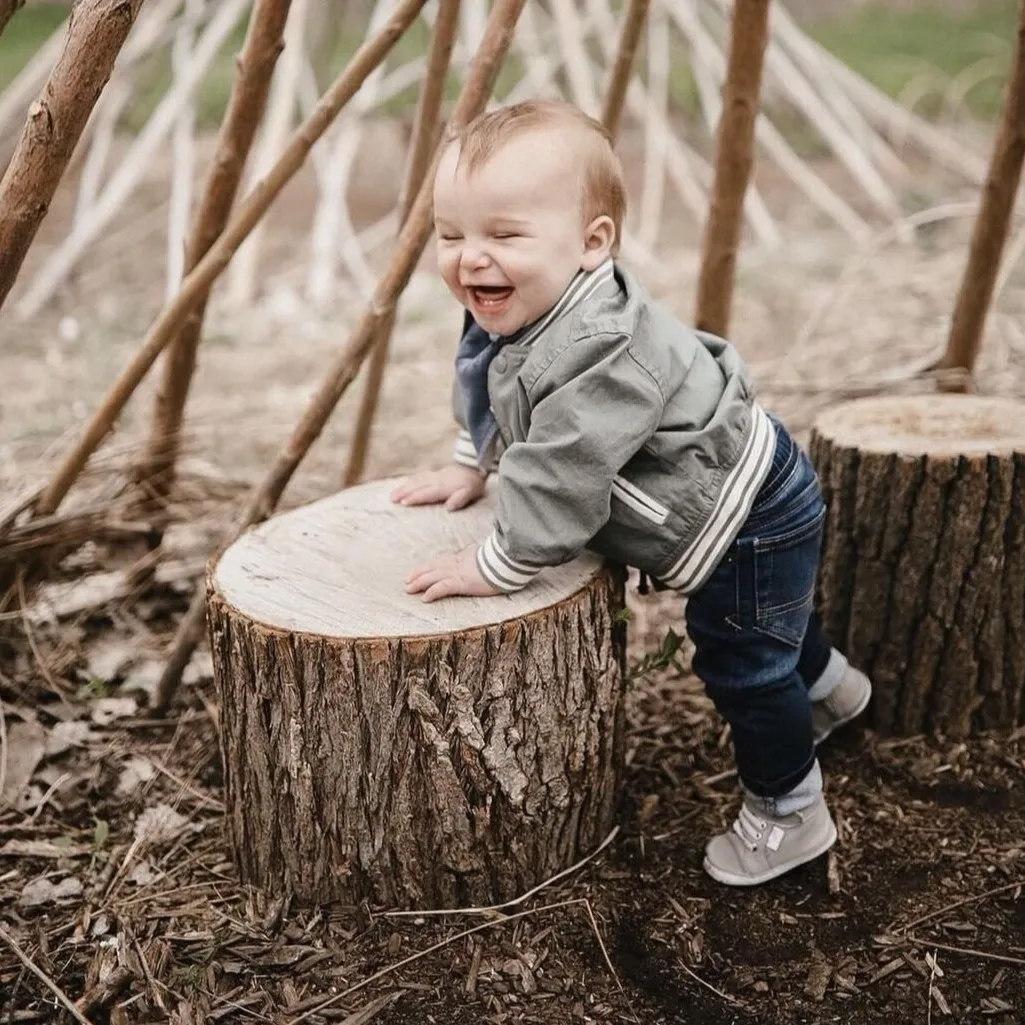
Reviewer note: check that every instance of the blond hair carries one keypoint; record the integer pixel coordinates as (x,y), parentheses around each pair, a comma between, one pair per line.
(604,193)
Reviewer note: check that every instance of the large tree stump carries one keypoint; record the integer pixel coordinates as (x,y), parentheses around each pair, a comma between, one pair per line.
(922,582)
(416,755)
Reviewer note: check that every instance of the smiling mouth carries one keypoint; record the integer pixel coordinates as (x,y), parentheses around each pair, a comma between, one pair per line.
(489,296)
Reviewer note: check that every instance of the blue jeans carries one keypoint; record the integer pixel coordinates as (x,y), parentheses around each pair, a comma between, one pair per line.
(758,644)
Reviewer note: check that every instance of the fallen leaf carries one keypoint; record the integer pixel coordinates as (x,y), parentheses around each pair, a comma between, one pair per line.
(143,874)
(107,659)
(26,744)
(106,710)
(42,891)
(159,823)
(65,735)
(135,772)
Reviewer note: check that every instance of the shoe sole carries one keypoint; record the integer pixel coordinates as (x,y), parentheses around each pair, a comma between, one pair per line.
(733,880)
(843,722)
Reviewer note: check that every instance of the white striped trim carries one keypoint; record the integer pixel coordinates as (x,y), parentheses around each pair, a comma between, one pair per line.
(731,509)
(500,570)
(641,503)
(584,284)
(464,453)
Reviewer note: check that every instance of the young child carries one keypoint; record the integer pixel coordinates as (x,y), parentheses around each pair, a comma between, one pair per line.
(614,427)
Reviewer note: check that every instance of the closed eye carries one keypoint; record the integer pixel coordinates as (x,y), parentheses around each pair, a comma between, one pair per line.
(507,234)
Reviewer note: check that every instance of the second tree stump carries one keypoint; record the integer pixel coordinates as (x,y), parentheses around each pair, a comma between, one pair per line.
(922,580)
(416,755)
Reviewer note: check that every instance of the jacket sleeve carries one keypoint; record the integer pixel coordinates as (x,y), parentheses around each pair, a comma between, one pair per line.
(555,488)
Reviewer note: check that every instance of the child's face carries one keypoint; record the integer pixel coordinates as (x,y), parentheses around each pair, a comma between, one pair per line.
(510,235)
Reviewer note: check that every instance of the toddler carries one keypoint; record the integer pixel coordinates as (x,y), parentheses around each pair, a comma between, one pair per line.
(614,427)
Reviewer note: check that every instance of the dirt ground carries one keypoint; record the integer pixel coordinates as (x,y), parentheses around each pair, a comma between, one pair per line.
(116,884)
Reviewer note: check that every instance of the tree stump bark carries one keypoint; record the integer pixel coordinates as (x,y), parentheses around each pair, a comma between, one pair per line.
(922,580)
(415,755)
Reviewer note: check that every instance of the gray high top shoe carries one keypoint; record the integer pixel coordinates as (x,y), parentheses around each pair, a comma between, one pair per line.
(847,700)
(760,847)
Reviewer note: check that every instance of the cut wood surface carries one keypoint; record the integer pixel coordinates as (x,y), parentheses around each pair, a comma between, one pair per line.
(922,581)
(416,755)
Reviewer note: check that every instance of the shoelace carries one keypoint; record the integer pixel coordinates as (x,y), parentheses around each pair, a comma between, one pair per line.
(749,827)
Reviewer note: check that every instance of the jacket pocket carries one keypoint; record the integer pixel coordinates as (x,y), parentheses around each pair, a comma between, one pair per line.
(641,502)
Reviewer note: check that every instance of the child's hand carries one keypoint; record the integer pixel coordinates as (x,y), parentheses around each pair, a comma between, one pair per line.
(457,486)
(448,575)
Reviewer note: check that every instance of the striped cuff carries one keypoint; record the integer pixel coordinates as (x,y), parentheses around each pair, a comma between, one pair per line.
(464,453)
(502,572)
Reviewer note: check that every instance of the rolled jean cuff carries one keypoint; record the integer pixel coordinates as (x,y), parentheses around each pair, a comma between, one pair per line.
(800,796)
(779,788)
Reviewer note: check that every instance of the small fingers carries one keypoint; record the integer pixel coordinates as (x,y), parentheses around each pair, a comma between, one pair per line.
(447,587)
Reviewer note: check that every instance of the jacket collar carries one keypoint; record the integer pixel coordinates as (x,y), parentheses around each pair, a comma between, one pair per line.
(584,285)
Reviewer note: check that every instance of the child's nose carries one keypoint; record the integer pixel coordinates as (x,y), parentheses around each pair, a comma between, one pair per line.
(473,256)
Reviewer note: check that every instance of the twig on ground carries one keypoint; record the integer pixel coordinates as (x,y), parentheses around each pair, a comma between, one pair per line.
(516,900)
(733,1001)
(43,977)
(966,951)
(957,904)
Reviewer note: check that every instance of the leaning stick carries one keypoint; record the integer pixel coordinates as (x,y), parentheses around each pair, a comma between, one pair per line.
(622,69)
(246,104)
(59,264)
(146,34)
(887,113)
(992,225)
(477,87)
(570,35)
(96,32)
(734,157)
(183,152)
(708,68)
(240,285)
(331,219)
(421,147)
(197,283)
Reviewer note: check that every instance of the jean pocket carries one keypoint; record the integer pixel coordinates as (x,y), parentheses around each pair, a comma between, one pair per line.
(776,581)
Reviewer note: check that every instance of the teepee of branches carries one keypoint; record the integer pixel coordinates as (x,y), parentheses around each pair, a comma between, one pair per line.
(583,49)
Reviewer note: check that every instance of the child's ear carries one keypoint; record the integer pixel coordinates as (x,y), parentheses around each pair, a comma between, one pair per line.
(599,241)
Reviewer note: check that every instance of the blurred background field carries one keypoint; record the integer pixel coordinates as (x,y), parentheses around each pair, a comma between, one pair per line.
(950,56)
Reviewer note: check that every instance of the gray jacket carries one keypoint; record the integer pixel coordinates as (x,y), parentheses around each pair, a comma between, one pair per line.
(622,431)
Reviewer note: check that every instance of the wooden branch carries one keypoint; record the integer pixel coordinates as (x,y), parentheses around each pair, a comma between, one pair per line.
(332,222)
(421,147)
(183,151)
(622,69)
(570,36)
(477,87)
(59,264)
(709,68)
(96,32)
(7,9)
(277,124)
(197,284)
(246,104)
(993,223)
(734,157)
(147,35)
